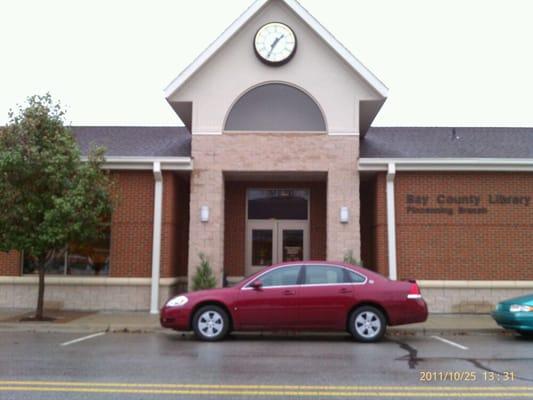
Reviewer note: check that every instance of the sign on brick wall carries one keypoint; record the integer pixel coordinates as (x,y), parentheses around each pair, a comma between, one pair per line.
(449,204)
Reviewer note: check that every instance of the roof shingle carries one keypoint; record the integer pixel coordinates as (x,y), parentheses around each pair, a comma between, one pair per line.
(419,142)
(135,141)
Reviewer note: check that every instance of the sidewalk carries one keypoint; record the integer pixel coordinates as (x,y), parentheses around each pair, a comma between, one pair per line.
(143,322)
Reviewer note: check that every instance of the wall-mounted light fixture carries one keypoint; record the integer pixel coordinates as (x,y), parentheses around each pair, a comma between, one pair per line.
(344,215)
(204,214)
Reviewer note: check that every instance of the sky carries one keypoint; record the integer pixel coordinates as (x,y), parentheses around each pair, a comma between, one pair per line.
(446,62)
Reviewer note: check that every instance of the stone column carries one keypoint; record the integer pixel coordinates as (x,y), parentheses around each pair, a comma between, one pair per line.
(207,189)
(343,191)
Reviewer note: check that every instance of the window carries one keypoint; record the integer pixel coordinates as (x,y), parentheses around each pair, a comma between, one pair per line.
(87,259)
(284,276)
(329,275)
(318,274)
(275,107)
(292,204)
(354,277)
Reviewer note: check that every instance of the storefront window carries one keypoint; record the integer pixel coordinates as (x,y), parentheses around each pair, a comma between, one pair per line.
(90,259)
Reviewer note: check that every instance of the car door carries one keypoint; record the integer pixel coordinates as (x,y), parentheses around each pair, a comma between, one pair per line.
(326,296)
(274,305)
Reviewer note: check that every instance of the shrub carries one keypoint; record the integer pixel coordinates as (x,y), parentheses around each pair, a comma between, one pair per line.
(349,259)
(204,277)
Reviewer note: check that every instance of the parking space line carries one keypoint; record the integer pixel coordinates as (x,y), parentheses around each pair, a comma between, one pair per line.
(83,338)
(460,346)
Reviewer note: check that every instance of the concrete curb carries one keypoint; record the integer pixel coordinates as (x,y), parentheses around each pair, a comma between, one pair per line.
(122,328)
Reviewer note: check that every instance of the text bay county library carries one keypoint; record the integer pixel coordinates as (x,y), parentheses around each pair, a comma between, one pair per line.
(277,161)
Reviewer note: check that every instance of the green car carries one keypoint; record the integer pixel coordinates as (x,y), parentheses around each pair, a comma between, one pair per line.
(516,314)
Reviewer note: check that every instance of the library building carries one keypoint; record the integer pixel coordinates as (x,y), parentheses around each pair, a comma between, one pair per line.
(277,161)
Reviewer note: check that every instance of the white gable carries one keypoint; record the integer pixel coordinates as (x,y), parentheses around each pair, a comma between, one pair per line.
(302,13)
(348,95)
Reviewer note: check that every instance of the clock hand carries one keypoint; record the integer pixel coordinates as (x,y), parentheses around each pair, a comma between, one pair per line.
(274,45)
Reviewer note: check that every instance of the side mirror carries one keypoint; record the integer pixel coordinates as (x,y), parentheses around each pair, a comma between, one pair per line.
(256,285)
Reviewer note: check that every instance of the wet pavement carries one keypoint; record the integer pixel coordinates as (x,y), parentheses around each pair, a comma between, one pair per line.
(171,365)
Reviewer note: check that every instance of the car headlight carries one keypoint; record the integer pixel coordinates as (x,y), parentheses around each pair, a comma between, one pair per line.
(177,301)
(520,308)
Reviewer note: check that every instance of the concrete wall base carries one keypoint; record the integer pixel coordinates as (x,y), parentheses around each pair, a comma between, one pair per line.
(98,294)
(478,297)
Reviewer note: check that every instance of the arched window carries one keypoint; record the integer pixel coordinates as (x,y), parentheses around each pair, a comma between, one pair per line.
(275,107)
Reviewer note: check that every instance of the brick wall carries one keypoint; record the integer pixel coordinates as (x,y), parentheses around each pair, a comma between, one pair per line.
(175,227)
(132,224)
(374,250)
(10,264)
(235,221)
(494,244)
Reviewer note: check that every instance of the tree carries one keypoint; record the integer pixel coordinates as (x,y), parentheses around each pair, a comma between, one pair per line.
(204,278)
(48,195)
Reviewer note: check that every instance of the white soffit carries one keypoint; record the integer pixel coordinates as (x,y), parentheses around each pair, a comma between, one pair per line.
(348,57)
(447,164)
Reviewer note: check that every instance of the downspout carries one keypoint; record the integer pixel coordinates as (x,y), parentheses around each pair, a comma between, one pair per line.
(391,221)
(156,244)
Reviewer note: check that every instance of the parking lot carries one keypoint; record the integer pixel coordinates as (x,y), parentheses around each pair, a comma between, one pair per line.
(140,366)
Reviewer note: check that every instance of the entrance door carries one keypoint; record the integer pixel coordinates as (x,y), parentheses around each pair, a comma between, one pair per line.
(275,241)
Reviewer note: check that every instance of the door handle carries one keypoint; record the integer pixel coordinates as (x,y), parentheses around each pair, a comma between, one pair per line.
(345,291)
(289,292)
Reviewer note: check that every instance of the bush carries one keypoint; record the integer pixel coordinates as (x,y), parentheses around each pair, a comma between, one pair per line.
(204,277)
(349,259)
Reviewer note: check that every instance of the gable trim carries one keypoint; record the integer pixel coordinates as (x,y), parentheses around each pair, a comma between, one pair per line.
(348,57)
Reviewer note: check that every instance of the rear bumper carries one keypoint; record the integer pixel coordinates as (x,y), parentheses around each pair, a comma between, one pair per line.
(410,312)
(521,321)
(176,318)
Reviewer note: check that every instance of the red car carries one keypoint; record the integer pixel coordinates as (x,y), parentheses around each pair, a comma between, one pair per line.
(310,295)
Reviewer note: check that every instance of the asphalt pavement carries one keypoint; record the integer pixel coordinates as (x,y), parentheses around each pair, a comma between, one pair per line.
(106,365)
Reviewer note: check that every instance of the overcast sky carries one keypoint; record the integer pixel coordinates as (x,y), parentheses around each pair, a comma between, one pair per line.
(446,62)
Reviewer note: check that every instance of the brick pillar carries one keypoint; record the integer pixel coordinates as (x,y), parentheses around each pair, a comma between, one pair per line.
(207,189)
(343,191)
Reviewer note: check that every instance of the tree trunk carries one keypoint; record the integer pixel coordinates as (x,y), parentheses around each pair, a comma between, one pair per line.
(42,264)
(40,296)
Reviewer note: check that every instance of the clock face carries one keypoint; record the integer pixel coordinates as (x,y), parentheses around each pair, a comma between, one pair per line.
(275,43)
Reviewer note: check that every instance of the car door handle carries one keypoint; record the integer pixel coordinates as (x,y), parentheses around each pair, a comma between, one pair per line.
(289,292)
(345,291)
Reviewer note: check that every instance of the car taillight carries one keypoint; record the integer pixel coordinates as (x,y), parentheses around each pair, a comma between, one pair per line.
(414,291)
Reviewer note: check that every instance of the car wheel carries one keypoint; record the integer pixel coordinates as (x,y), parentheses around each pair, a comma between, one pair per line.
(211,323)
(526,334)
(367,324)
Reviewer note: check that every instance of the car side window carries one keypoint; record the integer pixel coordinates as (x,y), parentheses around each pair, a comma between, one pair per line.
(284,276)
(323,274)
(353,277)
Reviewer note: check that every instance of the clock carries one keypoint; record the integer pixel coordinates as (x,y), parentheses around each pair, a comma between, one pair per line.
(275,43)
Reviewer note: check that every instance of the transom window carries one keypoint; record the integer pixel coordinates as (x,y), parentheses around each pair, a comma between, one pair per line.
(291,204)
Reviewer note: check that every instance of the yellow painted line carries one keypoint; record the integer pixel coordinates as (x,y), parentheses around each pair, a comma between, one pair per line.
(264,392)
(262,387)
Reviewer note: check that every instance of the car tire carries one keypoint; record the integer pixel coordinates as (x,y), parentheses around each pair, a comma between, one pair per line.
(367,324)
(526,334)
(211,323)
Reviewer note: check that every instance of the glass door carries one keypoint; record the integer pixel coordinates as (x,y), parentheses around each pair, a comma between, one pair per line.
(277,226)
(260,245)
(292,241)
(272,242)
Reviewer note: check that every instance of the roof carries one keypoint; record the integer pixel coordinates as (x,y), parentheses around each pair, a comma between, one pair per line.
(420,142)
(135,141)
(255,8)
